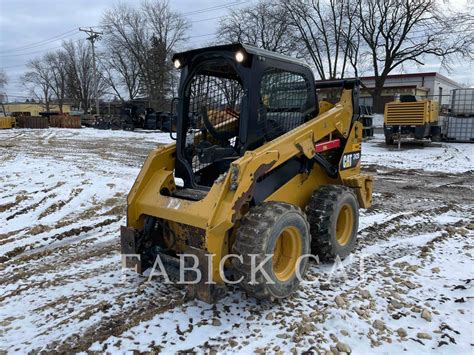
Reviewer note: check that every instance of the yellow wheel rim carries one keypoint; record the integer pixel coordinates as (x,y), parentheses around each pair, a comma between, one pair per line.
(344,225)
(287,250)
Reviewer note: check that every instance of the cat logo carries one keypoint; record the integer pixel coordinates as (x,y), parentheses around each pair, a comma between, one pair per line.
(350,160)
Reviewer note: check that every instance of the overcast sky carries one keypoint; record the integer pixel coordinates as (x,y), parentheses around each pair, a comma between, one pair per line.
(24,23)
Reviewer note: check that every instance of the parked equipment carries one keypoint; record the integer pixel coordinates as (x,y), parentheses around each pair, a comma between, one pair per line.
(264,170)
(132,117)
(157,120)
(411,118)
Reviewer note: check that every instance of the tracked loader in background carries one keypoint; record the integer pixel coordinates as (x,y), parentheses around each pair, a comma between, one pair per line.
(258,168)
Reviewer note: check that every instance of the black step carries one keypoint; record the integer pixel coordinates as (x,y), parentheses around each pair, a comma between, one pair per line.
(190,194)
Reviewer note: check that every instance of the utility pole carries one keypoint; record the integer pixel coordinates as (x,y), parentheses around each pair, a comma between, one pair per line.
(93,36)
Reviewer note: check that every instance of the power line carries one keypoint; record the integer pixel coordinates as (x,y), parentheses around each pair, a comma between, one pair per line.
(14,66)
(40,43)
(209,19)
(216,7)
(67,33)
(201,11)
(30,53)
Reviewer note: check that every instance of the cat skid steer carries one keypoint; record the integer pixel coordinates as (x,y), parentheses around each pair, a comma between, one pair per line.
(259,168)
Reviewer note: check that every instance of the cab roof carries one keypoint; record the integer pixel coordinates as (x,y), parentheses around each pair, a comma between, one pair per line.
(188,55)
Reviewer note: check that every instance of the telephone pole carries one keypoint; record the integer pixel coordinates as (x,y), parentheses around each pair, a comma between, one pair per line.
(93,36)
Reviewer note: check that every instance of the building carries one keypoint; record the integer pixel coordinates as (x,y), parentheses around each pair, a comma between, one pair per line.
(430,85)
(30,108)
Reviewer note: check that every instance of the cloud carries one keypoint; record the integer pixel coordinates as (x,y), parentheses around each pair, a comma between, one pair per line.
(26,22)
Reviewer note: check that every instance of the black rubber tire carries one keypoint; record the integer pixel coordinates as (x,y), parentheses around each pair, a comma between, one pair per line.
(388,140)
(257,234)
(322,212)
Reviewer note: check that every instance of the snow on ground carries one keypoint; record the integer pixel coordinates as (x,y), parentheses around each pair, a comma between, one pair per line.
(62,201)
(442,157)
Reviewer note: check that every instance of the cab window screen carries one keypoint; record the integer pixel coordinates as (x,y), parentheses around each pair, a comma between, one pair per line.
(220,98)
(284,98)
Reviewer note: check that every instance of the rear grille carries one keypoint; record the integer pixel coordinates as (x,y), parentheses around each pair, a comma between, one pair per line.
(405,113)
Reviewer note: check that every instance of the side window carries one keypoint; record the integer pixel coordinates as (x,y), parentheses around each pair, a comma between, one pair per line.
(284,98)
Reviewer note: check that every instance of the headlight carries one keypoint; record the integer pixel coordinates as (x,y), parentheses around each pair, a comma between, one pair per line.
(239,56)
(177,63)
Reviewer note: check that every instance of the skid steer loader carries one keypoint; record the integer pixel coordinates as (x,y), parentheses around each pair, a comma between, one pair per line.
(260,174)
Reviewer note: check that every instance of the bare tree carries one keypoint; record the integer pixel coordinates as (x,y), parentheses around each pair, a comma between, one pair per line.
(149,35)
(120,71)
(80,80)
(3,79)
(396,32)
(265,25)
(3,84)
(57,63)
(327,30)
(38,80)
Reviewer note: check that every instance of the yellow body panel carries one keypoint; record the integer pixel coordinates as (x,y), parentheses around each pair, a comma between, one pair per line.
(229,198)
(411,113)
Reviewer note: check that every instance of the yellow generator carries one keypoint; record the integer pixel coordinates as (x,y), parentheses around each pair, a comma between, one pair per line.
(7,122)
(411,118)
(260,177)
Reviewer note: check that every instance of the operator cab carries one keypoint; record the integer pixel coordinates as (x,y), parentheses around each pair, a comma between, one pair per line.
(235,98)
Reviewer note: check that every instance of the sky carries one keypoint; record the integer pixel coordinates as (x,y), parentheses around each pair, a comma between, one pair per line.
(29,28)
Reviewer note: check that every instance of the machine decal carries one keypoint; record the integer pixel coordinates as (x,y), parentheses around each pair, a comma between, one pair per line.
(327,145)
(350,160)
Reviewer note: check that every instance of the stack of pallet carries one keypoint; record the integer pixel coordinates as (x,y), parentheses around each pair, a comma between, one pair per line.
(32,122)
(7,122)
(55,121)
(65,121)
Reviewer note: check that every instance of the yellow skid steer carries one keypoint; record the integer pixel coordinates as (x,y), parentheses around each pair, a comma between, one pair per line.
(261,174)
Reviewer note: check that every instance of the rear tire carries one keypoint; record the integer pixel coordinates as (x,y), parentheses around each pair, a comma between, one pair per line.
(435,133)
(388,140)
(276,228)
(333,215)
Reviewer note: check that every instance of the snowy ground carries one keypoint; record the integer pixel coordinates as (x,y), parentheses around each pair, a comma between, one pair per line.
(62,201)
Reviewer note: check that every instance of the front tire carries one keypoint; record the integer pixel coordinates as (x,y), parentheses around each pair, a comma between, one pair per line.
(276,228)
(333,215)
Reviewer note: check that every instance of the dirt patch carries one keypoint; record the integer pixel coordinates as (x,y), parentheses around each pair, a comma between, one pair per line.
(84,229)
(58,205)
(31,207)
(115,325)
(19,198)
(38,229)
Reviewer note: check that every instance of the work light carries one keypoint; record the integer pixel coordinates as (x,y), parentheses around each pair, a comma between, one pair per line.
(239,56)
